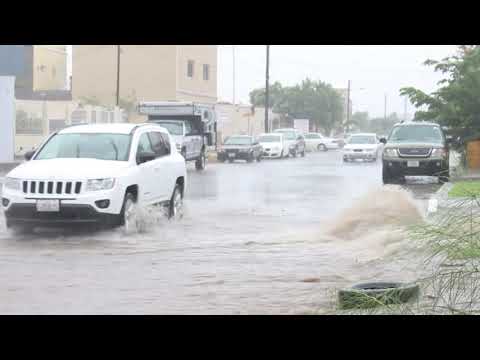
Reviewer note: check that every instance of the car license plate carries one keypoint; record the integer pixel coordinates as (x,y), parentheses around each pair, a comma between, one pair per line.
(413,163)
(48,205)
(231,155)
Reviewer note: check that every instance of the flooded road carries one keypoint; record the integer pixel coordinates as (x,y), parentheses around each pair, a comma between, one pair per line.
(262,238)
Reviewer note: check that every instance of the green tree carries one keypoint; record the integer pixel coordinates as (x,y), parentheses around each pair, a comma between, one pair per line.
(313,100)
(360,121)
(275,95)
(456,103)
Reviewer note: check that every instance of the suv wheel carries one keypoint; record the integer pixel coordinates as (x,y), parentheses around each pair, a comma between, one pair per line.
(387,177)
(444,179)
(176,204)
(201,162)
(130,219)
(303,153)
(322,147)
(250,158)
(294,153)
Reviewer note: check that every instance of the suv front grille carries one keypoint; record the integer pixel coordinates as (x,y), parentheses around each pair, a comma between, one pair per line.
(414,152)
(52,187)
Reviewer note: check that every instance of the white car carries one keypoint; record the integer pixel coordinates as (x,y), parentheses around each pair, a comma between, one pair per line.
(366,146)
(96,175)
(318,142)
(273,145)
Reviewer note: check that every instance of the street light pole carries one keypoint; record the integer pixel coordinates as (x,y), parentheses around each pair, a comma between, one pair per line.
(118,75)
(266,89)
(348,105)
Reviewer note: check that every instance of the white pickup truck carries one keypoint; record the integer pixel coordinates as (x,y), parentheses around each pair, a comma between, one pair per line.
(192,125)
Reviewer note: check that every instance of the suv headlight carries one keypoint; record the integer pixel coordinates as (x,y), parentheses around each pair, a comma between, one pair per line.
(439,152)
(390,153)
(12,184)
(100,184)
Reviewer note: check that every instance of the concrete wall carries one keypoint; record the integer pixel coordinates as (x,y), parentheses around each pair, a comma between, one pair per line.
(196,88)
(38,119)
(49,67)
(238,120)
(7,118)
(147,72)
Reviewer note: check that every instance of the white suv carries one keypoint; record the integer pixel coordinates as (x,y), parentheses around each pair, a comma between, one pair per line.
(96,174)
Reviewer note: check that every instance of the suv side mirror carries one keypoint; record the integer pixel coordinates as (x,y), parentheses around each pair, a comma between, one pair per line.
(29,154)
(383,140)
(144,157)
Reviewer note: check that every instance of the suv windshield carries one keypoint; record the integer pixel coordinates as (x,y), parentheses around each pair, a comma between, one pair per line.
(238,140)
(92,146)
(362,139)
(416,133)
(172,127)
(269,138)
(289,135)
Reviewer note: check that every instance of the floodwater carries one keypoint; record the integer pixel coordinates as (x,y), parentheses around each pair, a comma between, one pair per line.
(276,237)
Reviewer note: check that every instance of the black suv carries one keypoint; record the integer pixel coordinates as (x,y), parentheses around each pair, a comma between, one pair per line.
(415,149)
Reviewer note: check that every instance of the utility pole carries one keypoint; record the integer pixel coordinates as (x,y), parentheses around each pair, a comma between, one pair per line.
(348,105)
(118,75)
(233,54)
(266,89)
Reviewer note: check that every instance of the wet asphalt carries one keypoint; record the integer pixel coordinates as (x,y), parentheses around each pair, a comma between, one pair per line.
(249,243)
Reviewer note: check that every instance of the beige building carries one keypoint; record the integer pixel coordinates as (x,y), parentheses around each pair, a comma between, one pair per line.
(147,73)
(49,67)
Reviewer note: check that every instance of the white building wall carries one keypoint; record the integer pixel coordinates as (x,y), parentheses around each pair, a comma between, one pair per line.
(7,118)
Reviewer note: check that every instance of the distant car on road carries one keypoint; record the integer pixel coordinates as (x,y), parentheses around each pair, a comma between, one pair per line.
(273,145)
(416,149)
(318,142)
(96,175)
(240,147)
(295,140)
(365,146)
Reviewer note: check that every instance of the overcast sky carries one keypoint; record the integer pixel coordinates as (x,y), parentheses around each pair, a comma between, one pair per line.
(376,69)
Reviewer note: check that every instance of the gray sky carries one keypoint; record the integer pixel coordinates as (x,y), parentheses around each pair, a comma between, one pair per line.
(377,69)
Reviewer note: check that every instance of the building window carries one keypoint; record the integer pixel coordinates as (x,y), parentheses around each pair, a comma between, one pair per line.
(206,72)
(190,66)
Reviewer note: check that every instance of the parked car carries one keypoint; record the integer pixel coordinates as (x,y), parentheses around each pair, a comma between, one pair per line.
(96,175)
(416,149)
(240,147)
(318,142)
(273,145)
(366,147)
(295,140)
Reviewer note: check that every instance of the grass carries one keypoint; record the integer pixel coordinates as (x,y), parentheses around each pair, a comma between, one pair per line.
(465,189)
